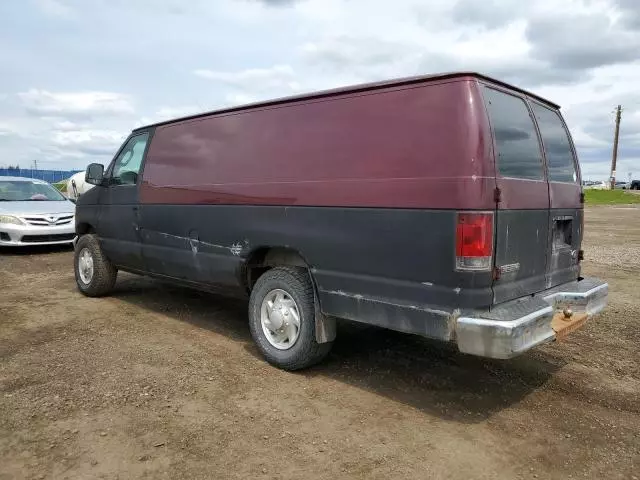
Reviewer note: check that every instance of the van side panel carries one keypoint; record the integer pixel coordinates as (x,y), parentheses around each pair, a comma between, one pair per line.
(411,147)
(364,186)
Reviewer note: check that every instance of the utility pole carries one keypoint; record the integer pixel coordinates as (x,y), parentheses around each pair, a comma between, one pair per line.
(614,157)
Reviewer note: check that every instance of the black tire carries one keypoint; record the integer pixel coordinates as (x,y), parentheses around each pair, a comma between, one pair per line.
(305,352)
(104,273)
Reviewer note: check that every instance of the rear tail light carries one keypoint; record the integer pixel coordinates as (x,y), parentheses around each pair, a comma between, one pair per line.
(474,241)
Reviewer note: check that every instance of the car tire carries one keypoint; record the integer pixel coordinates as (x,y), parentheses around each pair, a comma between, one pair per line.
(295,285)
(99,279)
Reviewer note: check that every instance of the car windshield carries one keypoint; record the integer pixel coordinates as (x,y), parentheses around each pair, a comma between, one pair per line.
(20,191)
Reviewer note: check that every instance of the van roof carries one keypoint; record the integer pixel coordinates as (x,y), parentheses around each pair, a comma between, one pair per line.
(353,88)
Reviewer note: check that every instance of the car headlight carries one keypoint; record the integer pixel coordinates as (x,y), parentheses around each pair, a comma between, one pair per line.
(10,220)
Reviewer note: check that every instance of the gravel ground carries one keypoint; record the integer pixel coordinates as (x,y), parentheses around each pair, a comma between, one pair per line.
(161,382)
(605,228)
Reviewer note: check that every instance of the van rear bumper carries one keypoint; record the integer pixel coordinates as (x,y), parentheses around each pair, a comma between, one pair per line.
(519,325)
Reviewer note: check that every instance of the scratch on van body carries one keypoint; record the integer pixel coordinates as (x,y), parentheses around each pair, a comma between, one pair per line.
(427,284)
(236,249)
(457,290)
(194,245)
(474,177)
(376,300)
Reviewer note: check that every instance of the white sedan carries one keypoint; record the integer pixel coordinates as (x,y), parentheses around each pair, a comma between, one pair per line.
(32,212)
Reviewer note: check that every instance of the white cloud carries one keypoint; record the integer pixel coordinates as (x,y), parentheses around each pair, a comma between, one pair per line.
(55,8)
(66,125)
(86,137)
(100,145)
(240,99)
(71,104)
(6,130)
(166,113)
(276,77)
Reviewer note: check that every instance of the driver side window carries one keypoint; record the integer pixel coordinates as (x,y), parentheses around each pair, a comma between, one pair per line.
(127,166)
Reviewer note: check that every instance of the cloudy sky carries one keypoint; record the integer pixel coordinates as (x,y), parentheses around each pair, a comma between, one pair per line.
(78,75)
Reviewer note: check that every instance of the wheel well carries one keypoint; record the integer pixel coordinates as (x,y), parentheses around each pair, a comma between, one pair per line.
(264,258)
(84,228)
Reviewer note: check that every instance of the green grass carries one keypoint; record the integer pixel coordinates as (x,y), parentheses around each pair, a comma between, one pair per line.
(61,186)
(609,197)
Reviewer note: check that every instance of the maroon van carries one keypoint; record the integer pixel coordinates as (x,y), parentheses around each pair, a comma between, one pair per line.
(448,206)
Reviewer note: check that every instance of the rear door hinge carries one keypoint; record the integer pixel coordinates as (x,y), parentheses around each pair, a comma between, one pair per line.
(497,195)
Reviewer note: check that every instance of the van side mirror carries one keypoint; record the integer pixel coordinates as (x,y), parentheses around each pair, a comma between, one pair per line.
(94,174)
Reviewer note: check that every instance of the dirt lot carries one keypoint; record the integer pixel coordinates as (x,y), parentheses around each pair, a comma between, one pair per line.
(161,382)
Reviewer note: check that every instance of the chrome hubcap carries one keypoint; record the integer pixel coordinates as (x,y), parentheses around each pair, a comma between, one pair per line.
(280,319)
(85,266)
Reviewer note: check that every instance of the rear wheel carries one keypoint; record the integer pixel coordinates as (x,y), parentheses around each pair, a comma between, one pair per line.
(95,274)
(282,319)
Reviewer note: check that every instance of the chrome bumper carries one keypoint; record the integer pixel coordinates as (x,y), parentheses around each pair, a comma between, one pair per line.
(519,325)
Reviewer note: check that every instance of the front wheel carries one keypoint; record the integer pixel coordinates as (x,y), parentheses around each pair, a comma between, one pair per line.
(95,274)
(282,319)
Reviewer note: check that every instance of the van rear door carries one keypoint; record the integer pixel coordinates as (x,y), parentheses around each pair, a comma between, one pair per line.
(522,231)
(565,192)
